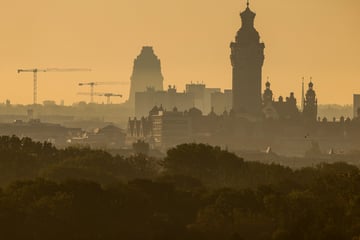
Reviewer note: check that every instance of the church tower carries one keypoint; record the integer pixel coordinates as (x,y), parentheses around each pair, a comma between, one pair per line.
(146,73)
(247,58)
(268,94)
(310,104)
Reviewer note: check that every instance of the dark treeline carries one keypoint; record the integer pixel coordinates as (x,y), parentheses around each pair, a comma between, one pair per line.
(196,192)
(25,159)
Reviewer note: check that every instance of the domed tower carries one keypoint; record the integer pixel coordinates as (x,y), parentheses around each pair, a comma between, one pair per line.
(268,94)
(310,104)
(247,58)
(146,73)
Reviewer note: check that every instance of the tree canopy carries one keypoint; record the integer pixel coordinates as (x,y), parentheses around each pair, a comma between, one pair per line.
(196,192)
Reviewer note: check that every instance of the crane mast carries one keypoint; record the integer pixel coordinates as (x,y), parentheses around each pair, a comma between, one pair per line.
(35,77)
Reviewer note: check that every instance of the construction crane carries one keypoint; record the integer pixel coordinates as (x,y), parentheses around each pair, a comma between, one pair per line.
(107,95)
(36,70)
(93,84)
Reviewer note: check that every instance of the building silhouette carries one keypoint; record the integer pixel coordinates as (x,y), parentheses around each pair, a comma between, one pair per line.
(146,73)
(169,99)
(256,121)
(283,109)
(161,128)
(310,104)
(221,101)
(247,58)
(195,95)
(202,95)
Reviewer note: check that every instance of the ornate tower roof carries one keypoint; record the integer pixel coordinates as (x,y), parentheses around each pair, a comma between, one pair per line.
(267,84)
(247,34)
(311,85)
(268,94)
(248,17)
(310,94)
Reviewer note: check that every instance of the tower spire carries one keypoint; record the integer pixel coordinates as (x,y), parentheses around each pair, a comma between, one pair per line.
(247,3)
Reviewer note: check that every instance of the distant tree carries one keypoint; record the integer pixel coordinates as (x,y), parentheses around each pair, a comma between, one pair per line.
(219,168)
(182,182)
(142,166)
(200,161)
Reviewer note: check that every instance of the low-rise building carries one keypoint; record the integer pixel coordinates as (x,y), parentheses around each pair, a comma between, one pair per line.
(161,128)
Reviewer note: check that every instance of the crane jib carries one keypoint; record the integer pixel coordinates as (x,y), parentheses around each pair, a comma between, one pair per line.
(36,70)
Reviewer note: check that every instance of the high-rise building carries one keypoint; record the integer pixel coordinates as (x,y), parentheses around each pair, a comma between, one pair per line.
(247,58)
(146,73)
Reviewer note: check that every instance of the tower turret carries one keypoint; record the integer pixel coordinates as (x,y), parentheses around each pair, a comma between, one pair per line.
(247,58)
(310,104)
(268,94)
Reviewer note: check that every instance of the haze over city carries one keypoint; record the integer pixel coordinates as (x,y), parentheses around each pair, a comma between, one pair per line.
(191,119)
(302,39)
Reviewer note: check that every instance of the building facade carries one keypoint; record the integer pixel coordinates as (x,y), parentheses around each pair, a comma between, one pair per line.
(282,109)
(167,99)
(161,128)
(221,101)
(202,95)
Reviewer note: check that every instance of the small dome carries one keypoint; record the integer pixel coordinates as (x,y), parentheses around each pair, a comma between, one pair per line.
(311,85)
(267,84)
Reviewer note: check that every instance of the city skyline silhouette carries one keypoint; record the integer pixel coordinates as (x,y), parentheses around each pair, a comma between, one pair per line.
(191,39)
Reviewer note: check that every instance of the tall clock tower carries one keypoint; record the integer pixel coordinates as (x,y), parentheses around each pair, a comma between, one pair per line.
(247,58)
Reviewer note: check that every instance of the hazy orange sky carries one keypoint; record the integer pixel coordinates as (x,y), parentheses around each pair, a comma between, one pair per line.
(318,38)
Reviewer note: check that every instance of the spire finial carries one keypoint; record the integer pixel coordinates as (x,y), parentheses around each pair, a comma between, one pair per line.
(247,3)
